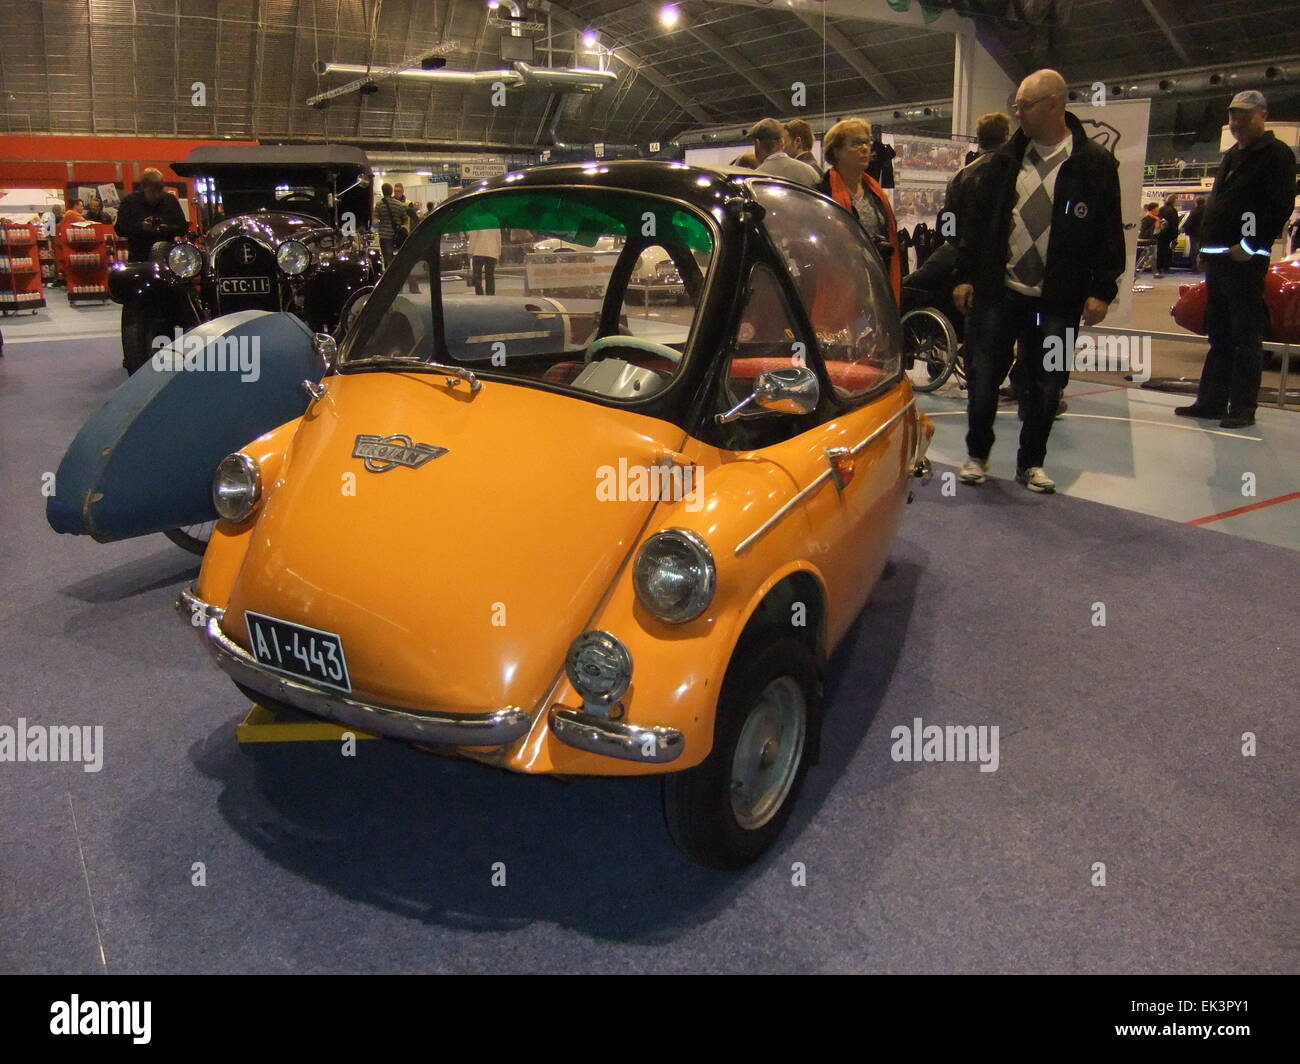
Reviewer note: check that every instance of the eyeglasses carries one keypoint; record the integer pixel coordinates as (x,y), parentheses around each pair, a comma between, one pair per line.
(858,142)
(1025,105)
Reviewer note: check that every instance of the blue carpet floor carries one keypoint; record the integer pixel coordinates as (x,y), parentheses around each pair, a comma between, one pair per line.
(1119,745)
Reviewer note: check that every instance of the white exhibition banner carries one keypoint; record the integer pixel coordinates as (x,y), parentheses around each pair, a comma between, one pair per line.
(1120,126)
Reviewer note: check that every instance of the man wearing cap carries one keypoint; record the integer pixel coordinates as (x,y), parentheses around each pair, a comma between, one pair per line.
(769,149)
(1253,195)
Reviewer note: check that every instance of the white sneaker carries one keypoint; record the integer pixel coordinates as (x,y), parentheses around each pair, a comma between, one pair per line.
(1035,478)
(973,471)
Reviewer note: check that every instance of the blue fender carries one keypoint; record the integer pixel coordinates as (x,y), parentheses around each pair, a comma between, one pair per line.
(144,461)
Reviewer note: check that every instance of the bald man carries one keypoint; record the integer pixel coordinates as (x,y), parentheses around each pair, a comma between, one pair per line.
(1041,245)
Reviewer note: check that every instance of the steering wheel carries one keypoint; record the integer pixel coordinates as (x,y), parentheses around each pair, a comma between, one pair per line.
(649,347)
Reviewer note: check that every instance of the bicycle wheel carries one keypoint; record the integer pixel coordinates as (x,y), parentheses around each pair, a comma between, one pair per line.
(193,538)
(929,348)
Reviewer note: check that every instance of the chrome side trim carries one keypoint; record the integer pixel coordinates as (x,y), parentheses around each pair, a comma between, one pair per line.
(610,738)
(495,728)
(803,493)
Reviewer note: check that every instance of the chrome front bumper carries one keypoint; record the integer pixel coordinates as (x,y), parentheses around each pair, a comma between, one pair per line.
(627,742)
(496,728)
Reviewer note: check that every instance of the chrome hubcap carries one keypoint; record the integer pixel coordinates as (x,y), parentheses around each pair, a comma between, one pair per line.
(768,753)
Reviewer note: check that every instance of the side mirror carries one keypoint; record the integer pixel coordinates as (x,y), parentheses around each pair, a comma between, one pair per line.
(789,390)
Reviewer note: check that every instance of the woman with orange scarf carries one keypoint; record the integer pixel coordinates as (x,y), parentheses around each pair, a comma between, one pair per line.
(847,147)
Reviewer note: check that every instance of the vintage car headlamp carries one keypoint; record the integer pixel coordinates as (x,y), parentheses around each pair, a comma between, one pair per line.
(184,260)
(236,487)
(293,257)
(674,575)
(599,667)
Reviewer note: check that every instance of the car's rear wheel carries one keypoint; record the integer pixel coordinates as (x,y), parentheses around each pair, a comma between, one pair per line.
(727,811)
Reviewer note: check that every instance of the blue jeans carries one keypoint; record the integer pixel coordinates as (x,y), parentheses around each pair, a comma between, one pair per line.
(992,333)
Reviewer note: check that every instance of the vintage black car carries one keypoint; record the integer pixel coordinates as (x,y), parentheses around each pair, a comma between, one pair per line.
(284,229)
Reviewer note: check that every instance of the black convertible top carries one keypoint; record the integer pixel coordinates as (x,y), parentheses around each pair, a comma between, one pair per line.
(340,157)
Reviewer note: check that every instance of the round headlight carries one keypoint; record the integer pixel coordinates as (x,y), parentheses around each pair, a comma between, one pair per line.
(184,260)
(293,257)
(674,575)
(236,487)
(599,667)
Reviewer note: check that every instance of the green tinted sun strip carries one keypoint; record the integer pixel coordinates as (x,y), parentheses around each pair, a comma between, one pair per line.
(579,218)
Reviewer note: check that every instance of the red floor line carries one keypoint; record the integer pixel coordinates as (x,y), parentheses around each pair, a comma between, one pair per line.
(1245,509)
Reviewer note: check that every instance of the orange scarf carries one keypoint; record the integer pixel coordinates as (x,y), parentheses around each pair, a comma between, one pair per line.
(840,194)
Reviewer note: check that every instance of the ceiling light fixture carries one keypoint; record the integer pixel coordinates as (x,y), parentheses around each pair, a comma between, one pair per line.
(669,16)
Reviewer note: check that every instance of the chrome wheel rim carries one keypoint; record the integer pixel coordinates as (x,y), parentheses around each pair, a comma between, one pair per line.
(201,532)
(768,753)
(929,346)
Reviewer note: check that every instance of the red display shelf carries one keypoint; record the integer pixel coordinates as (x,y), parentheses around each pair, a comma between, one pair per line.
(85,256)
(20,270)
(49,268)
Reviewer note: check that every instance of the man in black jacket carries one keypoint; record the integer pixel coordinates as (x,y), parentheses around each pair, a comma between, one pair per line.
(1253,195)
(1167,235)
(1041,243)
(149,215)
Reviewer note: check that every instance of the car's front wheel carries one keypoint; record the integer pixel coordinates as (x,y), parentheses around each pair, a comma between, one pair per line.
(139,328)
(727,811)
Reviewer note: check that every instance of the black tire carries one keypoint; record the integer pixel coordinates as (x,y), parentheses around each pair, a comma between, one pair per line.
(700,804)
(135,337)
(139,328)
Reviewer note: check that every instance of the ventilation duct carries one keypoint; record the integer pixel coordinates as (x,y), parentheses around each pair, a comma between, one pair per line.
(912,114)
(1189,82)
(523,75)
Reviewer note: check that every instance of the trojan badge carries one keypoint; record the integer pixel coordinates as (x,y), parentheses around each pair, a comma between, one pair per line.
(382,453)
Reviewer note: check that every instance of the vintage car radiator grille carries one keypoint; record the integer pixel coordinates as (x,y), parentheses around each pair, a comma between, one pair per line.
(246,277)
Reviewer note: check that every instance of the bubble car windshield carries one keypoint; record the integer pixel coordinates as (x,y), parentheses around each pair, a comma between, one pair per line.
(589,290)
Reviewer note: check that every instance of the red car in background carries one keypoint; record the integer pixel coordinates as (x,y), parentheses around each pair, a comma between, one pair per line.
(1281,293)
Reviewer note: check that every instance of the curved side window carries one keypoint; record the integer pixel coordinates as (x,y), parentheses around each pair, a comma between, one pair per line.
(842,285)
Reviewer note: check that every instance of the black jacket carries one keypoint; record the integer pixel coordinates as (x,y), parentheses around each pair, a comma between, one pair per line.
(169,222)
(1085,253)
(1260,180)
(957,198)
(1168,224)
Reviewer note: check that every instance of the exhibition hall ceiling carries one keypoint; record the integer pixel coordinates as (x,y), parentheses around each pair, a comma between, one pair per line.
(131,66)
